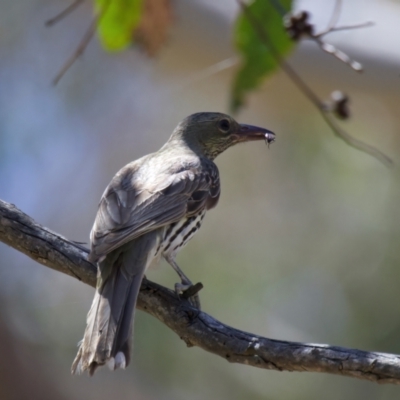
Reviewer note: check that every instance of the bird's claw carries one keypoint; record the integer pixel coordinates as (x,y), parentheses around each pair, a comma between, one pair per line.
(188,291)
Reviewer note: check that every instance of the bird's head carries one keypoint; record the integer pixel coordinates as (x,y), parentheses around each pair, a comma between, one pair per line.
(211,133)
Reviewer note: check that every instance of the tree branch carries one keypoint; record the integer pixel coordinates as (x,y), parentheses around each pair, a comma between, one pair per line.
(197,328)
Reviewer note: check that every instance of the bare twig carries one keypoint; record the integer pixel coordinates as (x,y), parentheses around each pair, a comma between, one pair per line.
(64,13)
(197,328)
(332,50)
(83,44)
(332,27)
(353,142)
(360,25)
(205,73)
(306,90)
(335,15)
(298,26)
(78,52)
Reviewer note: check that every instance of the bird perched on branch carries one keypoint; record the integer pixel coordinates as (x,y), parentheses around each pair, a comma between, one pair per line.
(151,209)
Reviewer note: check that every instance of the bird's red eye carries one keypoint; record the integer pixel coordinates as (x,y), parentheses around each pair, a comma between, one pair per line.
(224,125)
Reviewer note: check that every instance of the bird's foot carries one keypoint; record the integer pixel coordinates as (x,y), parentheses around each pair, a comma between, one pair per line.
(190,292)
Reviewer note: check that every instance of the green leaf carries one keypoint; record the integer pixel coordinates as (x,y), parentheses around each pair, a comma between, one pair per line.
(118,21)
(258,61)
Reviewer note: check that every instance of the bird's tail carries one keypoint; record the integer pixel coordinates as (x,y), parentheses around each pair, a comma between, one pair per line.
(107,338)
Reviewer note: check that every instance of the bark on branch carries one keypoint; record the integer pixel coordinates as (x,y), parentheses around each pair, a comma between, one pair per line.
(197,328)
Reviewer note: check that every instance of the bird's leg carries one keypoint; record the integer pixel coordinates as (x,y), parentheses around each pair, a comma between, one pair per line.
(186,289)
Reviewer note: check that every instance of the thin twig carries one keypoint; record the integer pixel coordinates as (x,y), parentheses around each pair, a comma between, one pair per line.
(306,90)
(79,50)
(206,72)
(335,15)
(355,143)
(83,44)
(298,26)
(332,50)
(367,24)
(64,13)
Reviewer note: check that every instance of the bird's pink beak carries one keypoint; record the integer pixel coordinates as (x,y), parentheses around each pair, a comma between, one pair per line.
(250,132)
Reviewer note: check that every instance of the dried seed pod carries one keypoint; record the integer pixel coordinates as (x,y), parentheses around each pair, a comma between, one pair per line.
(340,104)
(298,25)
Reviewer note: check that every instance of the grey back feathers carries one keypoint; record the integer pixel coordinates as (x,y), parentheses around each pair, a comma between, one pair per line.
(140,203)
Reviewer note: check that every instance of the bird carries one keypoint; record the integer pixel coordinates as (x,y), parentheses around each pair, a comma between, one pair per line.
(152,207)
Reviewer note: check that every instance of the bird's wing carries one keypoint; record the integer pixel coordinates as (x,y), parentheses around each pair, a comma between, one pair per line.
(131,206)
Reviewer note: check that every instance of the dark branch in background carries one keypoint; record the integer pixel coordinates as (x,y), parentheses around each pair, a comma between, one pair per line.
(87,37)
(195,327)
(64,13)
(306,90)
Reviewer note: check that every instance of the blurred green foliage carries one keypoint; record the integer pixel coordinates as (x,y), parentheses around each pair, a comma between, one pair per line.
(258,60)
(118,20)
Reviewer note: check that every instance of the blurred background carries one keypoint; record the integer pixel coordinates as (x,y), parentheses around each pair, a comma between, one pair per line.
(303,246)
